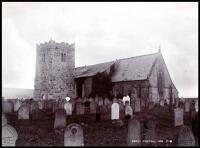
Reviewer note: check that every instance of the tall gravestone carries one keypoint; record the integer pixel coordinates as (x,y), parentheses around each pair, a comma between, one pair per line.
(178,116)
(186,137)
(93,106)
(129,111)
(137,105)
(196,106)
(115,111)
(9,135)
(23,112)
(151,136)
(68,108)
(17,105)
(73,135)
(134,133)
(60,119)
(7,107)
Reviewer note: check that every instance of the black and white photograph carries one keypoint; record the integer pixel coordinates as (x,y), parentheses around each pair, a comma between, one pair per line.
(100,74)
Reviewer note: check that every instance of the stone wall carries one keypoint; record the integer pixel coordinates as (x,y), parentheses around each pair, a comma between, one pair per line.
(54,78)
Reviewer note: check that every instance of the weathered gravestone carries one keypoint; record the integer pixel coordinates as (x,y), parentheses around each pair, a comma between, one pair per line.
(178,116)
(4,119)
(60,119)
(7,107)
(129,111)
(162,102)
(9,135)
(196,106)
(68,108)
(115,111)
(23,112)
(73,135)
(134,133)
(186,137)
(151,136)
(137,105)
(187,106)
(17,105)
(100,101)
(80,108)
(41,105)
(93,106)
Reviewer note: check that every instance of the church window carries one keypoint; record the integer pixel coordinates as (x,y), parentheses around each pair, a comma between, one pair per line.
(63,57)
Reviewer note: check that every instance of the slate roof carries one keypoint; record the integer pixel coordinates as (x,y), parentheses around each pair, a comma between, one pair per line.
(128,69)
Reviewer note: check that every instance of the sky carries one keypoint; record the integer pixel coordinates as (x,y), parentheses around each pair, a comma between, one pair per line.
(102,32)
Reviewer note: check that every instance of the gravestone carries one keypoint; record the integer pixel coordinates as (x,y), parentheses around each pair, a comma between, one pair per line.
(7,107)
(162,102)
(134,133)
(4,119)
(41,105)
(9,135)
(151,136)
(178,116)
(137,105)
(73,135)
(100,101)
(80,108)
(186,137)
(60,119)
(34,107)
(106,102)
(23,112)
(129,111)
(115,111)
(68,108)
(187,106)
(93,107)
(196,106)
(17,105)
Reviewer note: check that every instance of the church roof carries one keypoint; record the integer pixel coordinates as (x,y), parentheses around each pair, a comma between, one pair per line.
(128,69)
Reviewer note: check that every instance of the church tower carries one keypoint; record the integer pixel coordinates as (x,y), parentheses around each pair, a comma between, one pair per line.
(55,69)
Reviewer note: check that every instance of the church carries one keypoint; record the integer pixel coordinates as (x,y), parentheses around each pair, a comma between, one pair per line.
(145,77)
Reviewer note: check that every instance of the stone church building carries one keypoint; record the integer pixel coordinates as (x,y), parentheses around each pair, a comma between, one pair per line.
(145,77)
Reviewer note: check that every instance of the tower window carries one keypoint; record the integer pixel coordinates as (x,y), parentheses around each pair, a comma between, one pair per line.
(43,57)
(63,57)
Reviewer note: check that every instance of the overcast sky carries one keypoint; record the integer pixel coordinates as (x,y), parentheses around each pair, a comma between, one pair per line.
(102,32)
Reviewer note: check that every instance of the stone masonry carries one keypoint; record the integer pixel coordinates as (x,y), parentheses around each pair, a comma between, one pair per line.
(55,69)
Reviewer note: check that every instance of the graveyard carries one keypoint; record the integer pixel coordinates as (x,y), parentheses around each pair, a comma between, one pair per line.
(50,125)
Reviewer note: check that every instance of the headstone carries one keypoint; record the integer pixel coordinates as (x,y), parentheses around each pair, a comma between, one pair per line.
(178,116)
(23,112)
(17,105)
(106,102)
(93,107)
(162,102)
(34,107)
(73,135)
(4,119)
(100,101)
(134,133)
(80,108)
(115,111)
(196,106)
(151,136)
(41,104)
(137,105)
(7,107)
(60,119)
(187,106)
(9,135)
(129,111)
(186,137)
(68,108)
